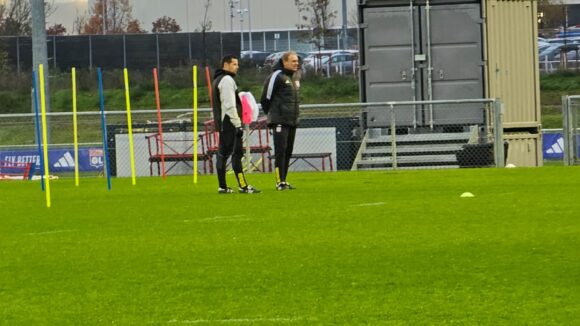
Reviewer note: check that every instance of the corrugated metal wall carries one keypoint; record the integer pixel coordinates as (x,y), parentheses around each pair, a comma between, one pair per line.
(525,149)
(511,31)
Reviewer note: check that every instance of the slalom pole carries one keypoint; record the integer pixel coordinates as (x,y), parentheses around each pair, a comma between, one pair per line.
(159,123)
(38,132)
(104,128)
(130,127)
(75,124)
(195,124)
(44,133)
(209,88)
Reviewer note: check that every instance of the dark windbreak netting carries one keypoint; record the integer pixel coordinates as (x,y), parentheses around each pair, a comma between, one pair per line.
(72,51)
(107,51)
(174,50)
(141,51)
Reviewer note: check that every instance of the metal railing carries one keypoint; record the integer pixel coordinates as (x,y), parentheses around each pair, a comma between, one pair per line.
(330,137)
(571,129)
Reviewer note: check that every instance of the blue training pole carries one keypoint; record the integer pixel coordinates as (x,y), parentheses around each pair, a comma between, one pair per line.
(104,129)
(38,140)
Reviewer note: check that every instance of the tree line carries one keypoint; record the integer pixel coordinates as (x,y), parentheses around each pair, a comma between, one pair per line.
(104,17)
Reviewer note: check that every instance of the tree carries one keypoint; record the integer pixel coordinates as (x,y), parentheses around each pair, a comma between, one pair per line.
(16,18)
(552,14)
(56,29)
(317,17)
(109,17)
(165,25)
(205,26)
(134,27)
(79,23)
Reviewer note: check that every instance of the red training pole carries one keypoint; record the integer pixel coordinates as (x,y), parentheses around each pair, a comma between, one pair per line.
(159,124)
(209,91)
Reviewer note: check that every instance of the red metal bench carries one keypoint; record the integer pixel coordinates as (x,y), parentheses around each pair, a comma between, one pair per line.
(174,155)
(262,146)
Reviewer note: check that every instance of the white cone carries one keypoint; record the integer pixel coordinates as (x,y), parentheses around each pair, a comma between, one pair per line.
(467,195)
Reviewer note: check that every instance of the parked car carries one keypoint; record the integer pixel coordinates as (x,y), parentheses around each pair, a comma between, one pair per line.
(342,63)
(319,60)
(314,59)
(572,53)
(254,58)
(273,58)
(551,52)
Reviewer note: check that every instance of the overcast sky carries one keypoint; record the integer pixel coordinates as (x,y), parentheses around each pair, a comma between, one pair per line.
(265,14)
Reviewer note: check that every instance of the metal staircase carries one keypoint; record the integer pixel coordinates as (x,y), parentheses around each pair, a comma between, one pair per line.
(413,151)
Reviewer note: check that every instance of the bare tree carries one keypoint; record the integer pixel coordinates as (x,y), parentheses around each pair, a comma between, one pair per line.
(205,27)
(117,16)
(79,23)
(16,18)
(316,16)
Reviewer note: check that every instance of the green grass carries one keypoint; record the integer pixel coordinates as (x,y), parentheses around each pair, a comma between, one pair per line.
(344,249)
(553,87)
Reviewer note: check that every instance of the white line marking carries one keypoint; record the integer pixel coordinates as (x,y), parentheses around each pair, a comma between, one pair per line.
(50,232)
(236,320)
(226,218)
(369,204)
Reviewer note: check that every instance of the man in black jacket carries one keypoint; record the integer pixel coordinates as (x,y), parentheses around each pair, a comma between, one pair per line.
(227,111)
(280,101)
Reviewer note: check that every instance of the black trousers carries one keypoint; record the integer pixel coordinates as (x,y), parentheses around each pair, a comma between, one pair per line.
(284,137)
(230,144)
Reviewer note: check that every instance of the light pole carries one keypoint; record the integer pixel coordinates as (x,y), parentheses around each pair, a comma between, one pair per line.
(242,12)
(250,28)
(232,4)
(344,26)
(187,14)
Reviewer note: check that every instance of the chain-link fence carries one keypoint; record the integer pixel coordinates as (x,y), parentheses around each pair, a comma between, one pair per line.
(331,137)
(571,130)
(432,134)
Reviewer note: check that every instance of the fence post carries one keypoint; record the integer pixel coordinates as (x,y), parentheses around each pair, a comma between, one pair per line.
(54,51)
(157,53)
(567,130)
(18,54)
(90,53)
(188,48)
(393,137)
(124,52)
(498,134)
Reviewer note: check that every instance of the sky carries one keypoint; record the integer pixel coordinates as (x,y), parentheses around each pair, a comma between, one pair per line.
(265,14)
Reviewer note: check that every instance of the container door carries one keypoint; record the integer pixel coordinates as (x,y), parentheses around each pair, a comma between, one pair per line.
(388,50)
(457,61)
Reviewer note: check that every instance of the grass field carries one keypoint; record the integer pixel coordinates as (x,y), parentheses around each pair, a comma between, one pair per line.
(349,248)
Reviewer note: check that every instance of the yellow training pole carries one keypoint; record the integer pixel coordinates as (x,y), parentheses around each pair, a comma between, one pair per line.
(44,133)
(194,124)
(75,124)
(130,127)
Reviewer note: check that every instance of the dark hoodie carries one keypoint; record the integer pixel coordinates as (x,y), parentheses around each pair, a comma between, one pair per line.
(233,110)
(280,96)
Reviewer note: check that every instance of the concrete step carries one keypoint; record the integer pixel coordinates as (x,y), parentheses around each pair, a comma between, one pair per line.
(410,160)
(423,138)
(412,150)
(423,167)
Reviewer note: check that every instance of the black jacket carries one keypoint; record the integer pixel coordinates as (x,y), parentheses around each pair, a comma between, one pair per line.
(218,115)
(280,97)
